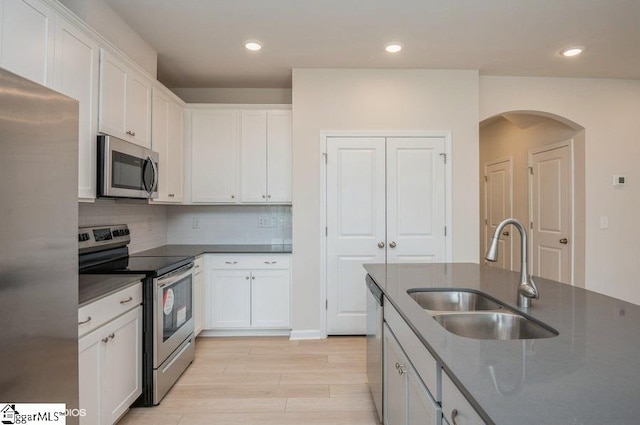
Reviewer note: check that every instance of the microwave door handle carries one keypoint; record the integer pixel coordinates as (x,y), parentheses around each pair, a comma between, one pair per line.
(154,185)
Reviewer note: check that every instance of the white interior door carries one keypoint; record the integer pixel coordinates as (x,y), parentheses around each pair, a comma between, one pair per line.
(497,207)
(415,199)
(551,212)
(355,227)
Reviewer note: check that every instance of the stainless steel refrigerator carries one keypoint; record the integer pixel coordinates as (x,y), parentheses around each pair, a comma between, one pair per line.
(38,244)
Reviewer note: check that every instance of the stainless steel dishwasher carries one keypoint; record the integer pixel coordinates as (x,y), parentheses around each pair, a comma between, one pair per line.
(374,343)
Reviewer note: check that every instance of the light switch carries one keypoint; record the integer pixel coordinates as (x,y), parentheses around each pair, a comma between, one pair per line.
(604,222)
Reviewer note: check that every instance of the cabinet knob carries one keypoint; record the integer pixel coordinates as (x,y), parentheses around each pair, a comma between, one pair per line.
(253,278)
(564,241)
(246,277)
(269,196)
(112,335)
(233,196)
(381,245)
(264,196)
(392,244)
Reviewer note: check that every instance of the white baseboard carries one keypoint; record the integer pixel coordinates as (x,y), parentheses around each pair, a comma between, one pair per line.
(243,332)
(307,334)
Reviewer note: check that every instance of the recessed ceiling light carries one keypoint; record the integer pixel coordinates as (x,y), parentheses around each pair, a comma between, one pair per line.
(393,47)
(572,51)
(253,45)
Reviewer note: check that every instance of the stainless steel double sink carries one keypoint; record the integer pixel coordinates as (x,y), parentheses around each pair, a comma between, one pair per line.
(473,314)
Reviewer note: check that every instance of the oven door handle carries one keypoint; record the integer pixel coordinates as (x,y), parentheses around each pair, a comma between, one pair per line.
(169,278)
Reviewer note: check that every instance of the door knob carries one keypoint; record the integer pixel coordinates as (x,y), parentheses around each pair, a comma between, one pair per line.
(392,244)
(564,241)
(380,244)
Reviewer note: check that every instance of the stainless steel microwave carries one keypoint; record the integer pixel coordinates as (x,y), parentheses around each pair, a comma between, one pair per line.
(126,170)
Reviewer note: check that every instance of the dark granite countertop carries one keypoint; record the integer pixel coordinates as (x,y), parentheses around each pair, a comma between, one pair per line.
(92,287)
(587,375)
(195,250)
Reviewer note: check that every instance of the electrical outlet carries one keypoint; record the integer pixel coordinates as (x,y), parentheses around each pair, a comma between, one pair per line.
(263,222)
(274,221)
(604,222)
(196,223)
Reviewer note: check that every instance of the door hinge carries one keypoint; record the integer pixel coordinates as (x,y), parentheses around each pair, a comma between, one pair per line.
(326,231)
(326,304)
(325,157)
(445,230)
(531,225)
(485,178)
(531,170)
(486,221)
(444,155)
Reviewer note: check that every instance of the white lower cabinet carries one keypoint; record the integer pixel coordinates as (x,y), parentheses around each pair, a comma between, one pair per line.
(110,367)
(249,292)
(407,400)
(455,407)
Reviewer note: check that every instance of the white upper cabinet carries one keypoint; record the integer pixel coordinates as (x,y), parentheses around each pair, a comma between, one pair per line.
(214,156)
(76,75)
(240,155)
(27,39)
(266,156)
(168,141)
(125,102)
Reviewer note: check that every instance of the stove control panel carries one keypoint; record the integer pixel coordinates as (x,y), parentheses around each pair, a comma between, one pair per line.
(98,238)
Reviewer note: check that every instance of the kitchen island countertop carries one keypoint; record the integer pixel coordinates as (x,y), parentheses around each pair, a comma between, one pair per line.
(195,250)
(587,375)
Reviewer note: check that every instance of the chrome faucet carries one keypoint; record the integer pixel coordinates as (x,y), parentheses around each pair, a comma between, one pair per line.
(527,288)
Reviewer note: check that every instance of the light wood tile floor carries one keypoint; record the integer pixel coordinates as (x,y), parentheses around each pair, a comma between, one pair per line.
(268,380)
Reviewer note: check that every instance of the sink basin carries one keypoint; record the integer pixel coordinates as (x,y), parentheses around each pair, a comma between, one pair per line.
(446,300)
(493,325)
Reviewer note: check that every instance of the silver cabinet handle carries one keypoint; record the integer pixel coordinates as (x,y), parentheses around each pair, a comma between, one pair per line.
(233,196)
(454,415)
(264,196)
(231,262)
(105,340)
(86,321)
(271,262)
(127,300)
(131,133)
(269,196)
(392,244)
(564,241)
(112,336)
(380,244)
(246,277)
(400,369)
(172,195)
(253,278)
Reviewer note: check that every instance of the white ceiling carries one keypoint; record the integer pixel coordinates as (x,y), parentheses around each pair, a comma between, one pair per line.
(200,42)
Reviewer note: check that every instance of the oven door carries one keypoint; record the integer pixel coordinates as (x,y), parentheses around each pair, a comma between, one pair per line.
(126,170)
(172,312)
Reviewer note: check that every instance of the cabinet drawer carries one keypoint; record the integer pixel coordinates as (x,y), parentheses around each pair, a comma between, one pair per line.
(105,309)
(252,261)
(419,356)
(455,404)
(198,265)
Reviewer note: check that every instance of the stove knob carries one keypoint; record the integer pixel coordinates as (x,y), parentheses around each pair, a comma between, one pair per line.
(126,232)
(80,239)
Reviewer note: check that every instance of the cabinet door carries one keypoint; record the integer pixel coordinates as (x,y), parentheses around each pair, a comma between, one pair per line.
(123,363)
(160,142)
(27,39)
(421,409)
(113,96)
(230,299)
(395,383)
(279,156)
(175,151)
(415,200)
(90,364)
(214,156)
(77,60)
(270,298)
(138,118)
(254,156)
(455,405)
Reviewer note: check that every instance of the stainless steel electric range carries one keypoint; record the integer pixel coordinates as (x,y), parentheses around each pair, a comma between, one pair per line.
(167,293)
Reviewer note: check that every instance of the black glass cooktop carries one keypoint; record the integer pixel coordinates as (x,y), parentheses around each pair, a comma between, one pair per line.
(151,266)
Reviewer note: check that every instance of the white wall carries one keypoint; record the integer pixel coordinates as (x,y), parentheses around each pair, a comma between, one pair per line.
(234,95)
(104,20)
(375,99)
(148,223)
(228,225)
(608,111)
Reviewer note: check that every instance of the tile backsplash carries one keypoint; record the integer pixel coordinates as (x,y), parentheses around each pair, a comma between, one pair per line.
(241,224)
(147,223)
(155,225)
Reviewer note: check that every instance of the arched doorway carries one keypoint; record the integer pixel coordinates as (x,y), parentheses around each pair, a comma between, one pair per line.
(532,168)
